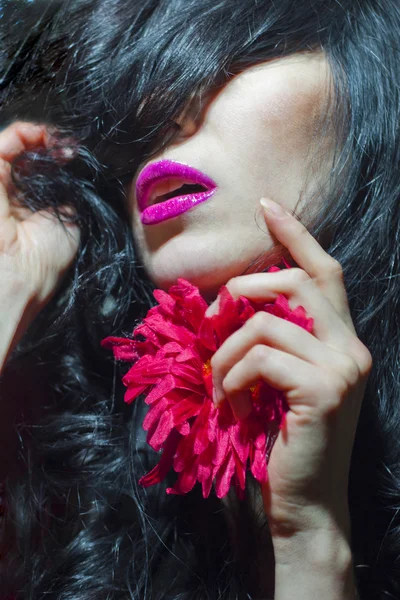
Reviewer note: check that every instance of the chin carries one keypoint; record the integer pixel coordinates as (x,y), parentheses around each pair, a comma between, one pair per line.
(205,263)
(209,285)
(209,277)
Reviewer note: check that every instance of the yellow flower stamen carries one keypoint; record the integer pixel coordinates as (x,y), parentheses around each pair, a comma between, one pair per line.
(207,368)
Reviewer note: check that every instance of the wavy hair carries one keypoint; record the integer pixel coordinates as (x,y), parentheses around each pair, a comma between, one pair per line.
(111,77)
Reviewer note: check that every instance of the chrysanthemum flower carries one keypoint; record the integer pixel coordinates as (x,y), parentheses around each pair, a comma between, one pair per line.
(172,366)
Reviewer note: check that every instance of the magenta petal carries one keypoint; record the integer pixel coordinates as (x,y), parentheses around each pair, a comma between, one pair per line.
(259,466)
(161,470)
(185,371)
(172,363)
(200,429)
(173,491)
(213,423)
(151,478)
(165,300)
(162,389)
(184,453)
(177,333)
(240,441)
(151,338)
(155,413)
(205,471)
(260,439)
(183,428)
(188,354)
(123,348)
(190,407)
(224,476)
(240,470)
(164,428)
(207,335)
(183,384)
(173,348)
(222,443)
(133,392)
(189,303)
(187,479)
(147,370)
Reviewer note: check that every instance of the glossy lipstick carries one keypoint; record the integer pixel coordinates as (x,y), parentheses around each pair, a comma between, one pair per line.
(166,189)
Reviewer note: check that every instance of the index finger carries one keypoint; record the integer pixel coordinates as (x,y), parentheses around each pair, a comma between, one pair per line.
(306,251)
(20,137)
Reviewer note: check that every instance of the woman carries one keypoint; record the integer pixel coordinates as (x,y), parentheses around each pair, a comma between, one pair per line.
(297,103)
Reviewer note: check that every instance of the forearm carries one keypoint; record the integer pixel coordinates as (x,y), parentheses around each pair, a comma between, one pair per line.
(314,566)
(17,312)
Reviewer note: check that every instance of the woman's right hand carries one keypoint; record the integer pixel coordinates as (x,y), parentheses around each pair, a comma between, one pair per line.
(35,249)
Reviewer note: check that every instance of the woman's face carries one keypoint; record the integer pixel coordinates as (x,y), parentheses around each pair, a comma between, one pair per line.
(257,136)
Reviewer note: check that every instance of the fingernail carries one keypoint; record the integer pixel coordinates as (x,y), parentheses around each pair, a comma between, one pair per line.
(273,207)
(214,397)
(212,309)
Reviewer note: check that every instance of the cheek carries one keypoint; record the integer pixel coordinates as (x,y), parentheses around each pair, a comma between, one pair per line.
(270,121)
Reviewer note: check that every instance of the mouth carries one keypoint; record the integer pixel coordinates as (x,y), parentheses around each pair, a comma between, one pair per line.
(174,188)
(168,180)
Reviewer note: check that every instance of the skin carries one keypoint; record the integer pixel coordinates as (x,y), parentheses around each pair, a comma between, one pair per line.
(35,253)
(35,250)
(323,375)
(255,138)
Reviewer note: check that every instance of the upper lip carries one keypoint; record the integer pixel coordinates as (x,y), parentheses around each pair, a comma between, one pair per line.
(157,174)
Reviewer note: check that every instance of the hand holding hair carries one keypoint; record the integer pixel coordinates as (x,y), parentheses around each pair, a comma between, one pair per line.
(35,248)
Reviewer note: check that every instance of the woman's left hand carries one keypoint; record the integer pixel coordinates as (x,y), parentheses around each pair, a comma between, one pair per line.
(323,376)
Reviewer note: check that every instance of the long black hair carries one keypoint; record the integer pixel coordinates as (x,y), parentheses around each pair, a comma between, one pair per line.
(112,76)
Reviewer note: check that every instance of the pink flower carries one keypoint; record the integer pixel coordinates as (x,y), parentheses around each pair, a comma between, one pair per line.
(172,366)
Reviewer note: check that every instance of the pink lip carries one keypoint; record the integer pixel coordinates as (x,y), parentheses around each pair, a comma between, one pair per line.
(165,170)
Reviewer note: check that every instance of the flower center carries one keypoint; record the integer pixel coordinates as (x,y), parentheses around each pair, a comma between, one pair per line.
(207,368)
(255,392)
(207,377)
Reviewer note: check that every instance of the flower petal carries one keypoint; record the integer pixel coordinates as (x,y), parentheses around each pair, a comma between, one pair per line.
(171,351)
(161,470)
(224,476)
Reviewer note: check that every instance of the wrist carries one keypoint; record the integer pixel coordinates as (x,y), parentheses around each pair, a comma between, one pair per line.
(18,306)
(314,564)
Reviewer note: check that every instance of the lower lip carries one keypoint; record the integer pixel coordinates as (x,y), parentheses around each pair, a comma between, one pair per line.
(168,209)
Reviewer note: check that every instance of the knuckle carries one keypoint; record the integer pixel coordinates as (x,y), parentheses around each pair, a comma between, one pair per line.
(362,357)
(351,371)
(365,361)
(215,362)
(334,268)
(298,275)
(258,353)
(259,321)
(335,391)
(229,386)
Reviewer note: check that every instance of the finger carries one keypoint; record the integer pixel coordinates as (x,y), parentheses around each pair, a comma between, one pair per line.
(307,252)
(275,332)
(329,326)
(20,137)
(306,387)
(5,175)
(14,140)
